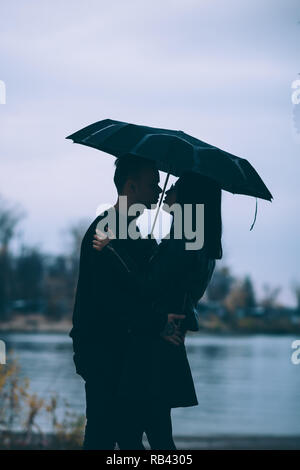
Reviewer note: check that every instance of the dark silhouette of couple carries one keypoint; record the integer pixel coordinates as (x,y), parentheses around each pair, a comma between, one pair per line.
(135,301)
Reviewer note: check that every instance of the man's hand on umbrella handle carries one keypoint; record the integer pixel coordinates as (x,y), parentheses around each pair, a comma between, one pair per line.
(100,239)
(172,332)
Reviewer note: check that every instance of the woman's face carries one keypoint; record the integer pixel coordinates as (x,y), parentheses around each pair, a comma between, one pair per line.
(170,196)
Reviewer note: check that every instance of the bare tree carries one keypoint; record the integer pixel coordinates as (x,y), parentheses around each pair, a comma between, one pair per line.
(10,216)
(28,274)
(270,296)
(296,290)
(74,236)
(220,284)
(61,278)
(250,300)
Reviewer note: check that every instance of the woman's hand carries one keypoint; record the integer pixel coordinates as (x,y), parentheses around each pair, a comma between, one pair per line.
(101,239)
(172,332)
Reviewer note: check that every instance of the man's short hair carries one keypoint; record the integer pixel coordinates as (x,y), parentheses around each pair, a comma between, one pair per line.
(129,166)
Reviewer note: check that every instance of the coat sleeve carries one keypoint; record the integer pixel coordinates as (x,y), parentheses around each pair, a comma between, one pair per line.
(90,312)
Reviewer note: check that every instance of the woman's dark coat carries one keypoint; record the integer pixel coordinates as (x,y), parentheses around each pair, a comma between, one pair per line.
(176,279)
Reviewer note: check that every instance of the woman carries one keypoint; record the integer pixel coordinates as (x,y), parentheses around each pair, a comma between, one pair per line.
(174,281)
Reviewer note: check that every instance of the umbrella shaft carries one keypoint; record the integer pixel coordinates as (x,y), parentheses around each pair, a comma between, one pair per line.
(160,201)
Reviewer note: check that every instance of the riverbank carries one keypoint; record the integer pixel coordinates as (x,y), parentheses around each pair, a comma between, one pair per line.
(35,323)
(222,442)
(38,323)
(238,443)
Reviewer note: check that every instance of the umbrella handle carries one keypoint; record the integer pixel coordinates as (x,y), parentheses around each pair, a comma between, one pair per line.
(160,201)
(254,216)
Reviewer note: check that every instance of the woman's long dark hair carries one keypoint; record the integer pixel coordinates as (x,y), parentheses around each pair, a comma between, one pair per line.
(193,188)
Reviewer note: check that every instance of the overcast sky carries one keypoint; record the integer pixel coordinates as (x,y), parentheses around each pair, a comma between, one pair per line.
(219,70)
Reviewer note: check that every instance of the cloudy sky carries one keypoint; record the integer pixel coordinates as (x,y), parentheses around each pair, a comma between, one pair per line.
(219,70)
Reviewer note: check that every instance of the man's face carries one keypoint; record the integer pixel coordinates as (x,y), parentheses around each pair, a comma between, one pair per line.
(147,189)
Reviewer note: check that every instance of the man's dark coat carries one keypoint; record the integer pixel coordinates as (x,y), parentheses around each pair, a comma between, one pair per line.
(109,307)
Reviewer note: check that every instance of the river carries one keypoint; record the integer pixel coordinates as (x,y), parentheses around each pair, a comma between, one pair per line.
(245,384)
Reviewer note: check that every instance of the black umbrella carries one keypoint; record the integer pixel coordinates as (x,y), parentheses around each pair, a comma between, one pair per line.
(175,152)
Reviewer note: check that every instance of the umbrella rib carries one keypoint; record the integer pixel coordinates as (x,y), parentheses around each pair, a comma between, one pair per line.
(240,168)
(140,142)
(97,132)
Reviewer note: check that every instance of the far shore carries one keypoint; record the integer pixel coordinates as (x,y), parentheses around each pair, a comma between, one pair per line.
(38,323)
(35,323)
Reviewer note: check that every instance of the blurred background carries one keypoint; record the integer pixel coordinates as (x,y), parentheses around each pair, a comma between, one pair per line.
(227,73)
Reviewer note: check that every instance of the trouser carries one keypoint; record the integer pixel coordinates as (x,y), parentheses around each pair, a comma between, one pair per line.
(158,426)
(151,417)
(100,429)
(111,420)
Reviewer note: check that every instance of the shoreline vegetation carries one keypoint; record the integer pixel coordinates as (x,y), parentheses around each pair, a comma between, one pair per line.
(208,323)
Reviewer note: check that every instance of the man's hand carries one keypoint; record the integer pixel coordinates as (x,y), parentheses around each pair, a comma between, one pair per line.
(101,239)
(172,332)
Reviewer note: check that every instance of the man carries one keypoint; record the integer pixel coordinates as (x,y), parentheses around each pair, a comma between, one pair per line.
(109,307)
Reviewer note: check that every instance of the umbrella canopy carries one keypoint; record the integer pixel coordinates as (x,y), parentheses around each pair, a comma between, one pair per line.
(175,152)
